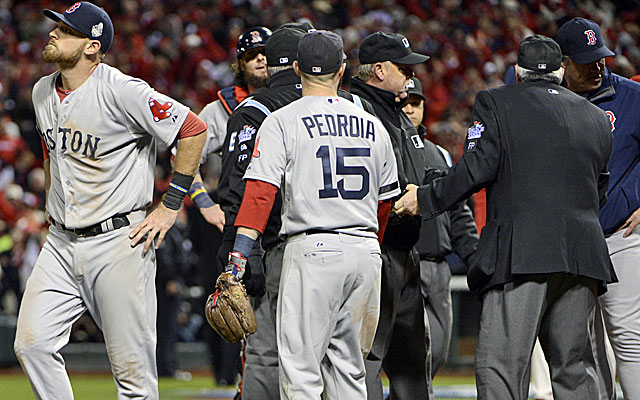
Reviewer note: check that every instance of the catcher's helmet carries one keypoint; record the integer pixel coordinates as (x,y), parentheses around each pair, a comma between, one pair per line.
(251,39)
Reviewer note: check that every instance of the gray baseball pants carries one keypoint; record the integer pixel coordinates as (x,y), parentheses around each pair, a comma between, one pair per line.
(260,380)
(621,312)
(327,314)
(436,293)
(555,307)
(116,284)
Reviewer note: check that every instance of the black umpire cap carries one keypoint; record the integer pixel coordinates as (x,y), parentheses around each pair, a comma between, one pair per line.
(282,47)
(581,40)
(320,53)
(414,88)
(304,26)
(394,47)
(540,54)
(88,19)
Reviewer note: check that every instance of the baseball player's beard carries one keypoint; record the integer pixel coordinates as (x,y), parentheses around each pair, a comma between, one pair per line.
(52,54)
(257,81)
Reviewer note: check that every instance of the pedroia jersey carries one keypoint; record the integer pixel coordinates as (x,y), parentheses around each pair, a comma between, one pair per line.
(333,162)
(102,144)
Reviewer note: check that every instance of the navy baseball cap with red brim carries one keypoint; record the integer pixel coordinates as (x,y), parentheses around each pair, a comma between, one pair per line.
(88,19)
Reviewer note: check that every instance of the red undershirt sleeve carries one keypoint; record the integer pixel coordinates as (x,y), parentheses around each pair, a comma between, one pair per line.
(45,152)
(384,209)
(256,205)
(192,126)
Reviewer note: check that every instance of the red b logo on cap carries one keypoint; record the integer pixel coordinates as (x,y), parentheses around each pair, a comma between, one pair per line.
(591,37)
(73,8)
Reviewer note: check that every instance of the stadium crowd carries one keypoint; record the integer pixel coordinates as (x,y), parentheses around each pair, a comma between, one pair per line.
(186,49)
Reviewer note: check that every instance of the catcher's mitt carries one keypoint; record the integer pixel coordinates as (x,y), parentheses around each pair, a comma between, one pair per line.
(229,311)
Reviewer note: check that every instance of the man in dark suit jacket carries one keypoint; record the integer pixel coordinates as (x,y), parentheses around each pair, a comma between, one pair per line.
(541,151)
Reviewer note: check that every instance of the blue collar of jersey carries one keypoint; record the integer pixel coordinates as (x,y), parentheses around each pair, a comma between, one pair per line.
(606,90)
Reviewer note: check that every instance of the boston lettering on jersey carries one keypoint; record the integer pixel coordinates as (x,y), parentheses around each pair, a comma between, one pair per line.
(76,141)
(339,125)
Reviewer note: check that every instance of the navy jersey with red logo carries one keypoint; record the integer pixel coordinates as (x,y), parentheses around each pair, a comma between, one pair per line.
(619,97)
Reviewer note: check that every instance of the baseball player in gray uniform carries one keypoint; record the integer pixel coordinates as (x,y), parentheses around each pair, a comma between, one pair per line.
(328,305)
(250,74)
(99,128)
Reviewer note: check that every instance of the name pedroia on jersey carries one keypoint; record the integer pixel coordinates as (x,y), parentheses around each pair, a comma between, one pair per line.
(76,141)
(339,125)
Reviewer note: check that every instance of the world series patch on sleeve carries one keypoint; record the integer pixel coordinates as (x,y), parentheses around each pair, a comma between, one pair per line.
(473,134)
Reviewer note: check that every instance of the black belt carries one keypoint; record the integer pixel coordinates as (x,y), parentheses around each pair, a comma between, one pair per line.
(317,231)
(111,224)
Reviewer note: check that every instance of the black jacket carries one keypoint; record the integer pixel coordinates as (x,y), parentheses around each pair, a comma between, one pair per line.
(453,230)
(541,151)
(242,127)
(402,233)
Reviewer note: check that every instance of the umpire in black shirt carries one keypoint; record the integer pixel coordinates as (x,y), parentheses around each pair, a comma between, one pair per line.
(385,68)
(542,152)
(451,232)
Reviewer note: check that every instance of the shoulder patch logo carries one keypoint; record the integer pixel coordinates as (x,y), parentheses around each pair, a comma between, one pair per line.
(475,131)
(417,142)
(612,119)
(73,8)
(591,37)
(159,109)
(472,145)
(246,133)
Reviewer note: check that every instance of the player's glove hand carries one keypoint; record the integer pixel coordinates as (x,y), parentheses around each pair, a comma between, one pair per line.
(236,265)
(229,311)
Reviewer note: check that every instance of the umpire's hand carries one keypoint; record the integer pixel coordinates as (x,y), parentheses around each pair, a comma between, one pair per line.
(408,203)
(156,224)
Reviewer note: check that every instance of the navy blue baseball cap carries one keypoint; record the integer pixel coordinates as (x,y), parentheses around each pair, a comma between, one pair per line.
(581,40)
(252,39)
(88,19)
(320,53)
(383,46)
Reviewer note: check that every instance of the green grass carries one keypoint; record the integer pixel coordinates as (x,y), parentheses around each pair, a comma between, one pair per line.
(14,386)
(99,387)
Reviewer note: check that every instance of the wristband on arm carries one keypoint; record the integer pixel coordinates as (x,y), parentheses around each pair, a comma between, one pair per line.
(200,196)
(178,188)
(238,257)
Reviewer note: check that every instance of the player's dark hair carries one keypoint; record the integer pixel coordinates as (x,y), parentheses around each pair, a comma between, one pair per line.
(238,75)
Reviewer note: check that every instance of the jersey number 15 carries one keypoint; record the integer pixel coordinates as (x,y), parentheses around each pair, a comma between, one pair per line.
(329,191)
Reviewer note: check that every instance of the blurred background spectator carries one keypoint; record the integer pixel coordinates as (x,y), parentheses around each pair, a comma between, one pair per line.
(185,49)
